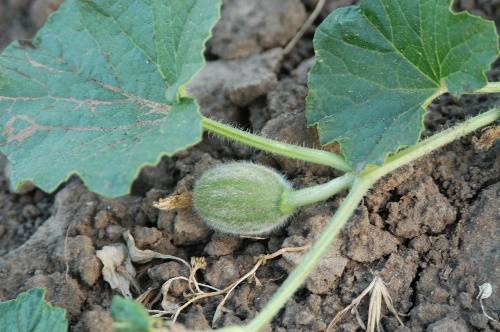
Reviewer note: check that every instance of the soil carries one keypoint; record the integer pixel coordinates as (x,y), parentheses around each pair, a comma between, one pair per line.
(430,230)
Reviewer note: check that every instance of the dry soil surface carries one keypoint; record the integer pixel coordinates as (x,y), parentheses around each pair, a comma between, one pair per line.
(430,230)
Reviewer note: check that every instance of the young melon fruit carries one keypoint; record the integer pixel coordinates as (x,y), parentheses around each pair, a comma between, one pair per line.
(241,198)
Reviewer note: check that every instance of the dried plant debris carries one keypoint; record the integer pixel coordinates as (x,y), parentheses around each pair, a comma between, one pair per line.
(118,270)
(173,309)
(485,292)
(488,137)
(144,256)
(378,292)
(168,304)
(173,202)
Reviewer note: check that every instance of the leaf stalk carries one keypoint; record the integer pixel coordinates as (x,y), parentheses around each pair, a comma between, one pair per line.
(491,87)
(432,143)
(265,144)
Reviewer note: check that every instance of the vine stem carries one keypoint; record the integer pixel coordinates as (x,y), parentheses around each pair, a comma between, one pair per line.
(296,198)
(360,186)
(310,260)
(288,150)
(491,87)
(433,143)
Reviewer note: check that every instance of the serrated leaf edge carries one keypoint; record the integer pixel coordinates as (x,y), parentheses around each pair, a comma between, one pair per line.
(443,89)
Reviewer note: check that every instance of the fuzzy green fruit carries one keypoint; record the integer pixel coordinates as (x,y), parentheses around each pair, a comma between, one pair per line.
(241,198)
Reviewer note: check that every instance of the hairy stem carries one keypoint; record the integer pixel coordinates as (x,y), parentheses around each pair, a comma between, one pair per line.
(362,182)
(433,143)
(311,259)
(491,87)
(296,198)
(288,150)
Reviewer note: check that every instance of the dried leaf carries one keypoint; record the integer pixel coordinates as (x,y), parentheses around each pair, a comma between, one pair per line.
(117,270)
(388,302)
(485,291)
(173,202)
(143,256)
(487,139)
(169,306)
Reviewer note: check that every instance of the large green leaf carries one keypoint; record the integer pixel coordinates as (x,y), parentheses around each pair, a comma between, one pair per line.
(98,92)
(30,313)
(130,316)
(378,65)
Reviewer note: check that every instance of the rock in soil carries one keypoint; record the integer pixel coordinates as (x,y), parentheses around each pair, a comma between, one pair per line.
(95,320)
(250,27)
(447,325)
(37,254)
(162,272)
(224,85)
(41,9)
(477,257)
(222,244)
(79,254)
(421,209)
(331,266)
(367,242)
(222,272)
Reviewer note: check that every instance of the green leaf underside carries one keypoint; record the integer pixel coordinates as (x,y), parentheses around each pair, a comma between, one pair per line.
(30,313)
(130,316)
(379,63)
(97,94)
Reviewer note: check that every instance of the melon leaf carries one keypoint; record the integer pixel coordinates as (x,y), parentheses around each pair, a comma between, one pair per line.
(379,64)
(30,312)
(99,92)
(130,316)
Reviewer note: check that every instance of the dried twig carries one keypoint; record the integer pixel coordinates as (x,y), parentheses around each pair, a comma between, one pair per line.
(195,292)
(317,10)
(227,291)
(260,261)
(145,296)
